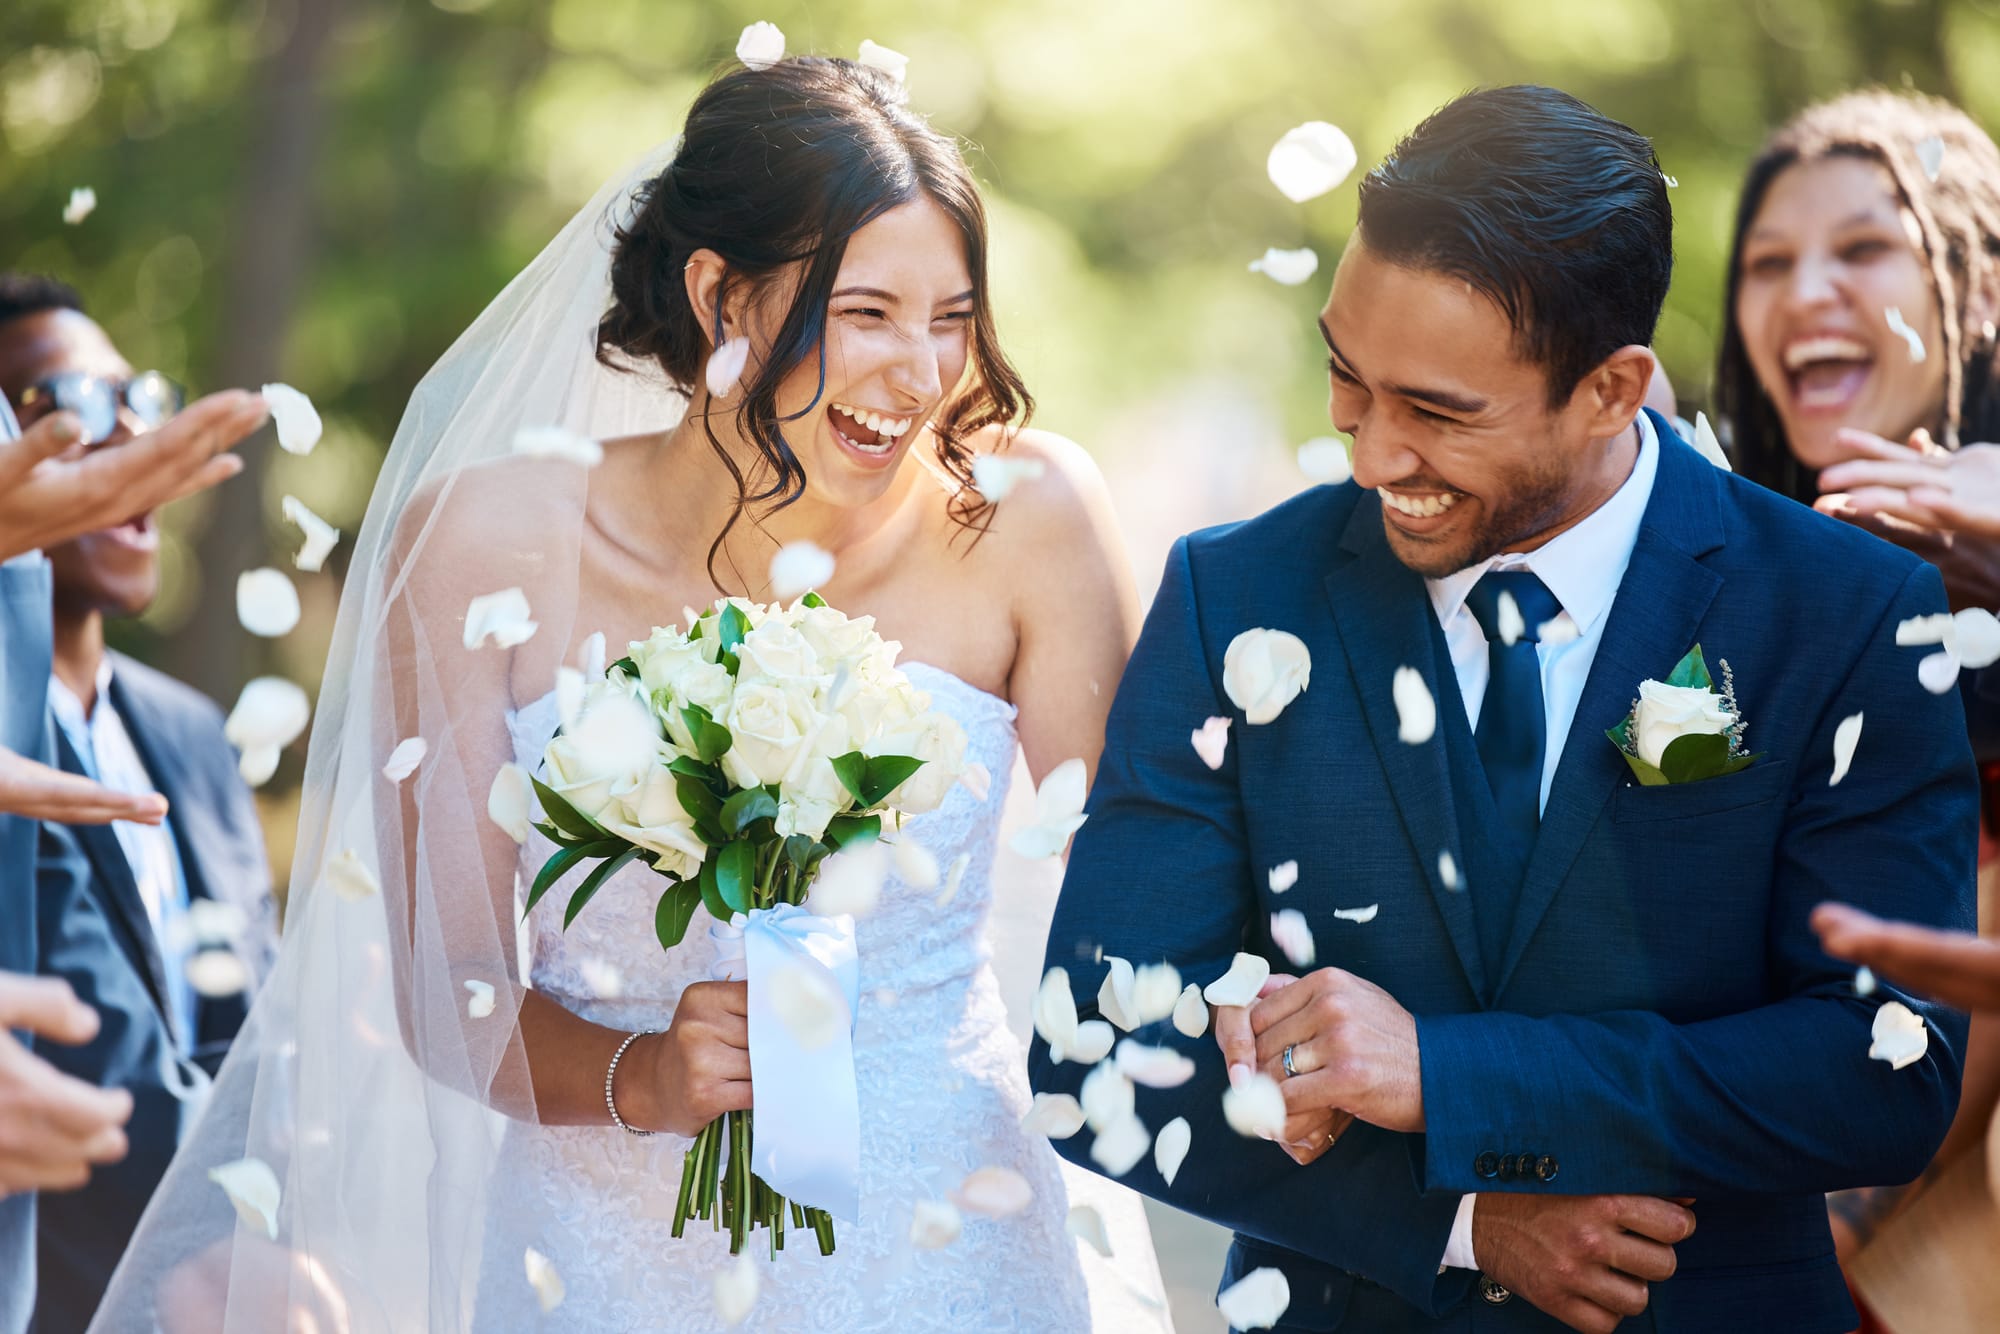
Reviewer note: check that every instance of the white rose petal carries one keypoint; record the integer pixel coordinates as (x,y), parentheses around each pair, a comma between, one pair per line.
(1416,711)
(1558,629)
(934,1225)
(1975,637)
(807,1005)
(1240,985)
(298,421)
(952,878)
(481,1004)
(266,602)
(1263,671)
(268,716)
(1211,742)
(1107,1096)
(1053,1116)
(1938,672)
(252,1187)
(404,759)
(1667,713)
(507,801)
(1283,876)
(1310,160)
(1901,1035)
(82,203)
(800,567)
(1191,1012)
(1093,1042)
(503,617)
(736,1290)
(1326,459)
(1360,915)
(996,1192)
(725,367)
(850,882)
(544,1279)
(1290,933)
(1919,630)
(978,780)
(1287,267)
(1170,1147)
(878,57)
(1911,338)
(1707,445)
(351,878)
(1864,981)
(602,979)
(1448,870)
(1058,812)
(1845,738)
(995,476)
(1255,1109)
(1087,1225)
(915,866)
(1930,155)
(1055,1014)
(1114,996)
(1119,1146)
(570,688)
(256,765)
(1255,1301)
(216,973)
(212,922)
(1511,624)
(320,536)
(1155,989)
(761,46)
(556,442)
(1153,1067)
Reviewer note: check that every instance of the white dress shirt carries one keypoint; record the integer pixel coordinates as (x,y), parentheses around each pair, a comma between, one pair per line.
(1583,567)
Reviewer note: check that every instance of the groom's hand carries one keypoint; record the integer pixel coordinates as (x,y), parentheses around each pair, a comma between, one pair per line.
(1309,1132)
(1584,1259)
(1354,1049)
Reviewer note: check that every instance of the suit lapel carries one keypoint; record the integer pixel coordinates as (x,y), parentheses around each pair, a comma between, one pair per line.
(1385,621)
(1653,620)
(185,816)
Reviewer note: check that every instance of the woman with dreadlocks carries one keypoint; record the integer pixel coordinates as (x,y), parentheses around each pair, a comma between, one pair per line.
(1859,356)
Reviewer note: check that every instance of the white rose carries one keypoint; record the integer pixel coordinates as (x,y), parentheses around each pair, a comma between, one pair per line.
(939,742)
(665,658)
(1667,713)
(834,636)
(708,685)
(1263,671)
(775,651)
(770,724)
(649,813)
(563,770)
(812,794)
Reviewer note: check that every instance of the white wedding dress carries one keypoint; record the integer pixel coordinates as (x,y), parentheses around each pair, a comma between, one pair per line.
(943,1087)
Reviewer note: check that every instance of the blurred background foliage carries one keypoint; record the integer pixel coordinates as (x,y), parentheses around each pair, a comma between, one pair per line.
(327,191)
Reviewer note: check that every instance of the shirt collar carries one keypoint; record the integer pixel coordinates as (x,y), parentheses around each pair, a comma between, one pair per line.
(1582,565)
(69,709)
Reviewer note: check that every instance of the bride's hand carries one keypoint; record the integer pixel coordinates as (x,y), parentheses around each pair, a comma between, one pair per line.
(1308,1134)
(699,1068)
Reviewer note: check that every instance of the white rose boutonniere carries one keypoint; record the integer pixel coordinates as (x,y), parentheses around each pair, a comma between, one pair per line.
(1682,729)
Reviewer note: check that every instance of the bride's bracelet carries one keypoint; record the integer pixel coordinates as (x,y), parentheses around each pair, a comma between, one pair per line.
(611,1073)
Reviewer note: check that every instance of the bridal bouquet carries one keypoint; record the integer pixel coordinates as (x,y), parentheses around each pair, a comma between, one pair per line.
(734,758)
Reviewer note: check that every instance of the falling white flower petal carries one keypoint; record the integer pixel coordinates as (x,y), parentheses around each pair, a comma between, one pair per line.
(266,602)
(1845,738)
(736,1290)
(1416,711)
(1263,671)
(996,1192)
(503,617)
(268,716)
(1360,915)
(216,973)
(507,801)
(1087,1225)
(82,203)
(725,367)
(1975,637)
(1287,267)
(1448,870)
(1326,459)
(481,1004)
(1938,672)
(1900,1035)
(1911,338)
(1240,985)
(1191,1012)
(1155,988)
(555,442)
(1119,1146)
(1707,445)
(1255,1301)
(761,46)
(1290,933)
(1055,1014)
(1310,160)
(1864,981)
(915,865)
(256,765)
(1211,742)
(800,567)
(1114,996)
(1672,182)
(212,922)
(995,476)
(807,1004)
(934,1225)
(351,878)
(1106,1096)
(1153,1067)
(252,1187)
(1930,156)
(1558,629)
(952,878)
(1058,811)
(544,1279)
(1511,623)
(404,759)
(850,881)
(878,57)
(320,536)
(1170,1147)
(1093,1042)
(1053,1116)
(978,780)
(1920,630)
(298,421)
(1283,876)
(570,687)
(602,979)
(1255,1109)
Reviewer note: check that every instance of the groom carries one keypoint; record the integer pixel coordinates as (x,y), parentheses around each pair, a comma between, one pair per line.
(1594,1059)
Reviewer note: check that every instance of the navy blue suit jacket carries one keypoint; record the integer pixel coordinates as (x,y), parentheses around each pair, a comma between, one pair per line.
(1663,1021)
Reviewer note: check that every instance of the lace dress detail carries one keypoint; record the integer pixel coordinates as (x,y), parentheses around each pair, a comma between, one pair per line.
(943,1087)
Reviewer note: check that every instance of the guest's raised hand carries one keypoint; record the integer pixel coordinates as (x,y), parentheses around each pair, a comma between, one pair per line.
(696,1070)
(53,1127)
(1955,967)
(1584,1259)
(1921,483)
(39,792)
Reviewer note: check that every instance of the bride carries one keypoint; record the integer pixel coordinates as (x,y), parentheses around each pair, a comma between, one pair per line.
(440,1164)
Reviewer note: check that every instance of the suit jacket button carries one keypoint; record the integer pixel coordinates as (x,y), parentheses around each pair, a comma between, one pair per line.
(1486,1166)
(1546,1168)
(1524,1167)
(1493,1292)
(1506,1167)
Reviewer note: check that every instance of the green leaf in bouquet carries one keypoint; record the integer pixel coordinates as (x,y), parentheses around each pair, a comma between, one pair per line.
(675,911)
(846,830)
(701,804)
(1691,670)
(813,600)
(711,738)
(799,852)
(595,881)
(564,815)
(884,775)
(554,869)
(1691,758)
(690,767)
(730,628)
(625,665)
(852,771)
(711,890)
(1647,775)
(747,807)
(736,876)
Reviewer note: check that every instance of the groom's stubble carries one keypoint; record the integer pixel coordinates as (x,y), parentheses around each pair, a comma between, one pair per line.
(1531,504)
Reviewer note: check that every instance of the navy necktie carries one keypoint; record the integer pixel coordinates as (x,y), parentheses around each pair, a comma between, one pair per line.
(1513,725)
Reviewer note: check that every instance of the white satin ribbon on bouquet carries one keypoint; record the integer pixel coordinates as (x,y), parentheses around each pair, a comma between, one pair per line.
(806,1143)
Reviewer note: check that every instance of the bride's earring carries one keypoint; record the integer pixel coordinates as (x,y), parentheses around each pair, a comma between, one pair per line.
(725,366)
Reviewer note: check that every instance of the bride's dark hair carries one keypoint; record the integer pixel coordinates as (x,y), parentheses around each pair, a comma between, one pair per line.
(780,167)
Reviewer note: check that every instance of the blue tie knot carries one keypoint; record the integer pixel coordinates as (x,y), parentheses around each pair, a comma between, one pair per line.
(1532,600)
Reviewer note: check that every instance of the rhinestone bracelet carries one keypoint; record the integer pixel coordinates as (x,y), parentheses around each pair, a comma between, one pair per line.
(611,1073)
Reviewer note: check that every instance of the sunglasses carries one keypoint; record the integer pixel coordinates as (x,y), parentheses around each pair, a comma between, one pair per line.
(151,396)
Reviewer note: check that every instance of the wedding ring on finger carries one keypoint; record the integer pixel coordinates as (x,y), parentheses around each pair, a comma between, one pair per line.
(1291,1071)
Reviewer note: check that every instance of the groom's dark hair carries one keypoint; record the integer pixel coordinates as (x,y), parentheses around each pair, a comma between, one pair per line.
(1552,210)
